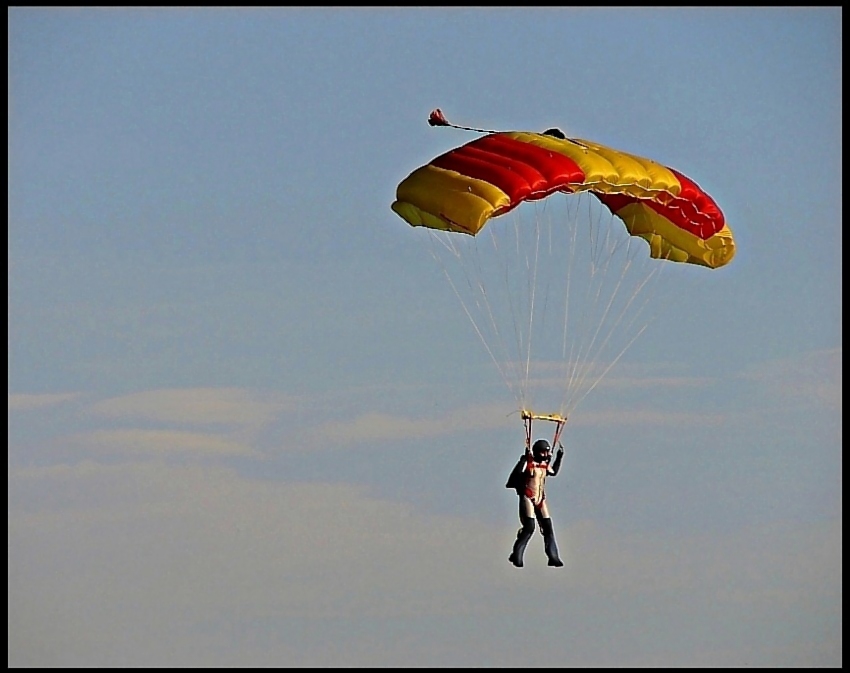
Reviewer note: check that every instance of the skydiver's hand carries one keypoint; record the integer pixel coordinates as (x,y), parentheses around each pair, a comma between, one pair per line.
(560,451)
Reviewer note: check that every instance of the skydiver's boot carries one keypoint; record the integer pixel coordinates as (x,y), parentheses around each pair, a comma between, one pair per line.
(550,544)
(522,537)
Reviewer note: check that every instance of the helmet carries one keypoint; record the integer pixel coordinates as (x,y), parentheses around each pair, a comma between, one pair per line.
(541,450)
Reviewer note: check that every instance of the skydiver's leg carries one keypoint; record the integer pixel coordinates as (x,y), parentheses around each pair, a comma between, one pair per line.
(548,531)
(526,519)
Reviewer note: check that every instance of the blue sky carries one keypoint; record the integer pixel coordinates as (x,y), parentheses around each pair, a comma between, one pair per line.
(250,424)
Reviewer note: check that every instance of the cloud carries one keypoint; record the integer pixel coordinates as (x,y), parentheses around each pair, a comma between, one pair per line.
(378,426)
(146,564)
(732,563)
(197,423)
(26,402)
(193,544)
(197,406)
(137,441)
(813,378)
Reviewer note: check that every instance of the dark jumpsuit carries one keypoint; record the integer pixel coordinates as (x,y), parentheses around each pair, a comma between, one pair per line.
(532,505)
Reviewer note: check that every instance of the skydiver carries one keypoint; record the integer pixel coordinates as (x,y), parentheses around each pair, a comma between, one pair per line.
(528,478)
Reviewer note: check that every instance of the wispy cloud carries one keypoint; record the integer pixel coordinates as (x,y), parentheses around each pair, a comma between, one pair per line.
(197,406)
(378,426)
(26,402)
(812,378)
(161,442)
(202,553)
(195,422)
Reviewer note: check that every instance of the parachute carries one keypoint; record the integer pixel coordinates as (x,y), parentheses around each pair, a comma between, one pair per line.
(459,193)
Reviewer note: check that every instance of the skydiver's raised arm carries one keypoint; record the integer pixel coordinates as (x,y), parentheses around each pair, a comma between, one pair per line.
(556,466)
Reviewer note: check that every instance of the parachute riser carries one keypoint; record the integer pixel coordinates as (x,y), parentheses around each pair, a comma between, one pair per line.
(528,417)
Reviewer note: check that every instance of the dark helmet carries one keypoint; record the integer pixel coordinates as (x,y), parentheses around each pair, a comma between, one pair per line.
(541,450)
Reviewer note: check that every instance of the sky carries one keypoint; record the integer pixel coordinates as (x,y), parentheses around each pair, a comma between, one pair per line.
(251,425)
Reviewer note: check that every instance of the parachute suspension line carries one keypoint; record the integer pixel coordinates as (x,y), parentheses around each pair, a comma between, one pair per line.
(532,293)
(572,231)
(601,285)
(482,296)
(515,305)
(452,249)
(539,250)
(572,228)
(472,262)
(516,263)
(650,277)
(595,350)
(605,266)
(510,363)
(602,254)
(579,355)
(586,347)
(531,270)
(503,259)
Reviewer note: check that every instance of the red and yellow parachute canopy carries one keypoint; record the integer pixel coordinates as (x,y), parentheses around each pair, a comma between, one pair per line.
(461,190)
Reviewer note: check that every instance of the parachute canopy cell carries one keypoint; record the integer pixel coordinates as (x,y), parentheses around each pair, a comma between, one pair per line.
(461,190)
